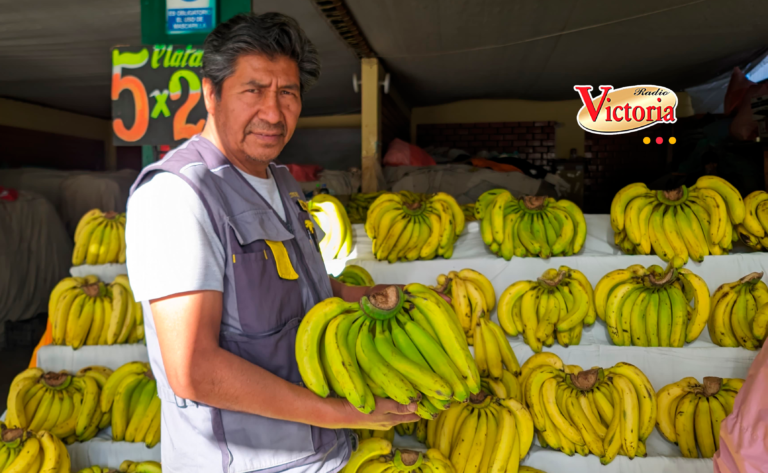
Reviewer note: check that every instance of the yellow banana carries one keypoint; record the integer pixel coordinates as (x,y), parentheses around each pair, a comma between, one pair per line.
(684,425)
(629,415)
(730,195)
(703,428)
(621,200)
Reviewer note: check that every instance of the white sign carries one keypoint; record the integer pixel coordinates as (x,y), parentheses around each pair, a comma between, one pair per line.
(190,16)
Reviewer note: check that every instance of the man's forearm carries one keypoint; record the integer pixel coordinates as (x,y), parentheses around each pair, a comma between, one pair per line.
(226,381)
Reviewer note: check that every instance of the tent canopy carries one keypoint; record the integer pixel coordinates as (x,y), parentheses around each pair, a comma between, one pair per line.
(57,53)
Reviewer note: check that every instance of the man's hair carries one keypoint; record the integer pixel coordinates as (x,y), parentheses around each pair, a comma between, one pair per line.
(271,34)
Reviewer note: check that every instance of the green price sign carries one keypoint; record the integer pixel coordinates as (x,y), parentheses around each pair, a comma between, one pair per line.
(156,94)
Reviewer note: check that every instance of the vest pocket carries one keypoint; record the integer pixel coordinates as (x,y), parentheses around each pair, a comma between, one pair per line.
(272,350)
(256,442)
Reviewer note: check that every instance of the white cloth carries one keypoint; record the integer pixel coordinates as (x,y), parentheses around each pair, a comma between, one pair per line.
(171,244)
(35,252)
(62,357)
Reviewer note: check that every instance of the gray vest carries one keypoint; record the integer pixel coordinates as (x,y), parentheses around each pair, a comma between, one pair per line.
(260,315)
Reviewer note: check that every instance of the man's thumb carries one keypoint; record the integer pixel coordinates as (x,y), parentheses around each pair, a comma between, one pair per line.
(406,408)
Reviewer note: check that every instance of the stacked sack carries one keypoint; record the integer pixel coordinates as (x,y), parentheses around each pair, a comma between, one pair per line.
(22,451)
(739,315)
(375,455)
(332,218)
(753,231)
(354,275)
(650,307)
(85,311)
(127,466)
(130,396)
(472,296)
(486,434)
(606,412)
(400,345)
(530,226)
(556,306)
(407,226)
(65,405)
(358,205)
(99,238)
(690,414)
(696,221)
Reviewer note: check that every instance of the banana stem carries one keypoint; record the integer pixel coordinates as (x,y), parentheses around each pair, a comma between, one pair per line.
(12,435)
(54,380)
(110,215)
(552,283)
(711,385)
(92,290)
(478,398)
(585,380)
(674,196)
(751,277)
(534,202)
(668,277)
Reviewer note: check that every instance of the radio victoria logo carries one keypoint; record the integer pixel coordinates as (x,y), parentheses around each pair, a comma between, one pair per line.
(624,110)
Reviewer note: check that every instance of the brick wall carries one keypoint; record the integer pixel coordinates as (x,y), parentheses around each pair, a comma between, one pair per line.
(534,141)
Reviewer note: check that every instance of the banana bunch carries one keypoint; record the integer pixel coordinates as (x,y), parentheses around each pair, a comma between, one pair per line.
(397,344)
(686,222)
(753,231)
(22,451)
(62,404)
(99,238)
(487,434)
(129,466)
(739,314)
(332,218)
(530,226)
(506,387)
(354,275)
(605,412)
(407,226)
(375,455)
(130,395)
(690,413)
(358,205)
(365,434)
(469,212)
(472,296)
(557,305)
(651,307)
(493,353)
(407,429)
(84,311)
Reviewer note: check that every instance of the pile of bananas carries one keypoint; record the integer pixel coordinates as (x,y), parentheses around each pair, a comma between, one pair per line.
(690,413)
(130,395)
(696,221)
(358,205)
(487,434)
(605,412)
(557,305)
(99,238)
(365,434)
(84,311)
(506,387)
(392,344)
(354,275)
(472,296)
(493,353)
(404,430)
(753,231)
(65,405)
(127,466)
(407,226)
(530,226)
(22,451)
(332,218)
(375,455)
(740,313)
(651,307)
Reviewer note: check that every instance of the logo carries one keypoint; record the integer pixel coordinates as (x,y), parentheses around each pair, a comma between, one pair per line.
(293,195)
(624,110)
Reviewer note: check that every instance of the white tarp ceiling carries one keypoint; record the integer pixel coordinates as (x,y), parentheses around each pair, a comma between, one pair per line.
(57,53)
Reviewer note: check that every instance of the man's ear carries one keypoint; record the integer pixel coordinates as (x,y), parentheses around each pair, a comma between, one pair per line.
(209,95)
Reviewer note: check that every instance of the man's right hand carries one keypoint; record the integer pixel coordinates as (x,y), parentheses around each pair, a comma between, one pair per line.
(386,415)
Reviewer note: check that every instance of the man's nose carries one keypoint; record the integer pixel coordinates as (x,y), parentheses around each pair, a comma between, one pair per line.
(269,111)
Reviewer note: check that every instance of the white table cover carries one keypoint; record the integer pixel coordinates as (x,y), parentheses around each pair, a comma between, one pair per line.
(59,357)
(105,272)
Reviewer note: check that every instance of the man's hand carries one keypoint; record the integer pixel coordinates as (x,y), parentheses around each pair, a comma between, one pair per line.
(387,414)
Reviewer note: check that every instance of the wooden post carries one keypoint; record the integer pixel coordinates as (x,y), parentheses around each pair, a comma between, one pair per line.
(371,124)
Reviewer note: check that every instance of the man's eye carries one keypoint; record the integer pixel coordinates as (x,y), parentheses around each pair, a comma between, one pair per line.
(288,92)
(251,91)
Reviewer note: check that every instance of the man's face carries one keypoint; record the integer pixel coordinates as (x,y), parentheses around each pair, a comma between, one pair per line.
(259,107)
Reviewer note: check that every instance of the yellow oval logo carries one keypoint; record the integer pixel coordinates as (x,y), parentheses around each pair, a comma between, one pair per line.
(615,111)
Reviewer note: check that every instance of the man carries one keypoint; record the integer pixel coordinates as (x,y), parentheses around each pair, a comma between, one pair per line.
(224,258)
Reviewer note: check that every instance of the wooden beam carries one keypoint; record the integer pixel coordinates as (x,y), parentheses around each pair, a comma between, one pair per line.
(371,124)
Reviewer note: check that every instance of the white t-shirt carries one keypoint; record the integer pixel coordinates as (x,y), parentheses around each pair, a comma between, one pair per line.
(171,246)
